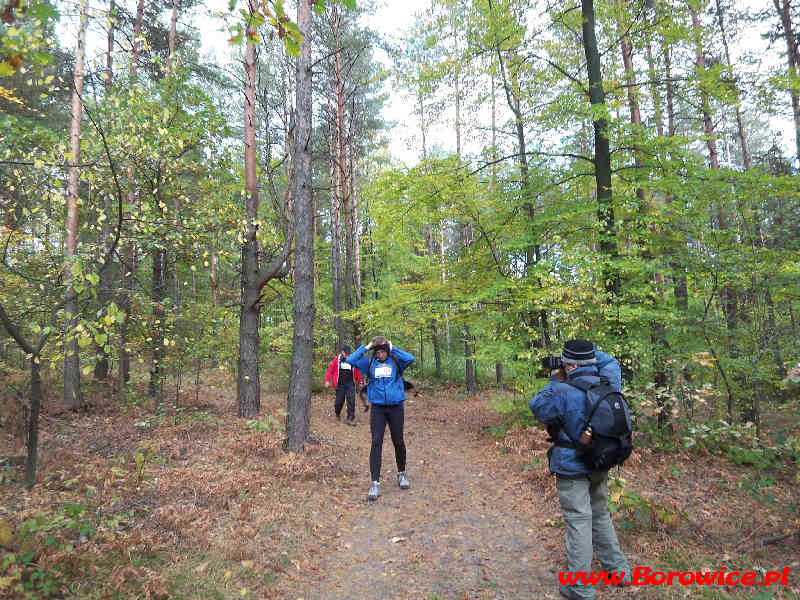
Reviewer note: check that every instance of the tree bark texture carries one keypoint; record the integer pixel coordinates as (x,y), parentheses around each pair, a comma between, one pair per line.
(336,240)
(33,423)
(173,22)
(249,383)
(602,153)
(299,398)
(72,367)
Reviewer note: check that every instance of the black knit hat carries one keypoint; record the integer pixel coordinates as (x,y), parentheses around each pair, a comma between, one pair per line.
(578,352)
(346,349)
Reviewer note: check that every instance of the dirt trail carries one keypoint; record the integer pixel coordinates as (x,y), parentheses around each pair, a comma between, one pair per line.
(467,528)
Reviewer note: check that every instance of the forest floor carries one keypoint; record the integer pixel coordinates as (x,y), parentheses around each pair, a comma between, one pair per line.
(196,503)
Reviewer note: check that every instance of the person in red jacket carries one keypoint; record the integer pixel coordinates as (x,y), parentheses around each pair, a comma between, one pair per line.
(344,377)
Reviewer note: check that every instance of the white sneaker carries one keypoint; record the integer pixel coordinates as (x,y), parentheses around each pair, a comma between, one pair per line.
(374,491)
(402,480)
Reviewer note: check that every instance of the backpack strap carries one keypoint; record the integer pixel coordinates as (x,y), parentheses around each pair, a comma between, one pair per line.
(584,386)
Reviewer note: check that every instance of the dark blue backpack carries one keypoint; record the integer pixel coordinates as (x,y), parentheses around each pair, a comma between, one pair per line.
(608,414)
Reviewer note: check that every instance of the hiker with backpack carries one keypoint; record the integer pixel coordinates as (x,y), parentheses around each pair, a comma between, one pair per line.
(344,378)
(589,424)
(386,396)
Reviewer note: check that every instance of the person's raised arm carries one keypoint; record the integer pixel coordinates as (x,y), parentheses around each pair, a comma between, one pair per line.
(358,360)
(402,357)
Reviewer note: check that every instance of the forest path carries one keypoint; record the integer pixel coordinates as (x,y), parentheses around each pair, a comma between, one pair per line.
(466,529)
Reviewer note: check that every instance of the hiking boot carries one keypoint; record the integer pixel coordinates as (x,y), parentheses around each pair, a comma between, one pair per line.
(374,491)
(338,417)
(567,593)
(351,420)
(402,480)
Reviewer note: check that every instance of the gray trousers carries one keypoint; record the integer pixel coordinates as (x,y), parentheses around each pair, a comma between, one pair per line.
(584,502)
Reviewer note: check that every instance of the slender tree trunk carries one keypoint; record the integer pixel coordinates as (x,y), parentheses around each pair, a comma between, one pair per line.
(793,59)
(176,300)
(336,241)
(157,296)
(105,285)
(215,303)
(469,363)
(422,125)
(249,383)
(129,262)
(299,398)
(729,65)
(356,267)
(657,331)
(72,367)
(112,18)
(33,423)
(602,153)
(728,295)
(681,289)
(172,29)
(437,351)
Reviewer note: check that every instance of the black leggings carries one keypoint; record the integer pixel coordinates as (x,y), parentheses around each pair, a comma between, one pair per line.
(381,415)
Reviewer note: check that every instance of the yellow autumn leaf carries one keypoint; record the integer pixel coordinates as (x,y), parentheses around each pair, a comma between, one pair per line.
(6,533)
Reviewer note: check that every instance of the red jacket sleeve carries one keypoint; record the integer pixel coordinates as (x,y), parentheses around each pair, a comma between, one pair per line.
(357,376)
(331,375)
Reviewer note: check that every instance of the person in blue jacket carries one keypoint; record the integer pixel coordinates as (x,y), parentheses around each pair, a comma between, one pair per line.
(583,495)
(386,395)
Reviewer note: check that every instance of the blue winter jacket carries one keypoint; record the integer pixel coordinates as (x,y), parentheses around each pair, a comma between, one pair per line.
(562,404)
(385,382)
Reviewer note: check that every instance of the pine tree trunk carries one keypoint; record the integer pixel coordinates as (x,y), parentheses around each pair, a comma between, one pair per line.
(356,267)
(249,383)
(72,367)
(299,397)
(336,241)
